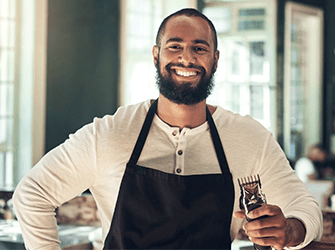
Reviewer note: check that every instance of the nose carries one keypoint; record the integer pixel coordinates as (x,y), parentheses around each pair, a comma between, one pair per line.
(187,57)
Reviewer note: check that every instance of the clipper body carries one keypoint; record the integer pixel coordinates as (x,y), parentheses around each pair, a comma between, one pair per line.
(251,198)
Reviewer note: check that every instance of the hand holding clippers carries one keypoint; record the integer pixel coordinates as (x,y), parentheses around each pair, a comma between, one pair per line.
(251,198)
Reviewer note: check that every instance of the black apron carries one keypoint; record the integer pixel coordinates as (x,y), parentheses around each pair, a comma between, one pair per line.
(158,210)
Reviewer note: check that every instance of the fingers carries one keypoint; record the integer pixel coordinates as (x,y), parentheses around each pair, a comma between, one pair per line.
(239,214)
(264,210)
(267,227)
(266,242)
(265,233)
(265,219)
(263,222)
(258,212)
(268,237)
(275,243)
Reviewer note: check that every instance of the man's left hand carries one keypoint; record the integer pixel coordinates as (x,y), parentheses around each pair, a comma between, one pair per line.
(269,227)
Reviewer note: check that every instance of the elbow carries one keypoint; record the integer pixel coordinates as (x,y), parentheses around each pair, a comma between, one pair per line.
(17,199)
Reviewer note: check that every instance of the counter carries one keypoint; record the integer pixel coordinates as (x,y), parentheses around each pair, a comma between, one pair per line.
(71,237)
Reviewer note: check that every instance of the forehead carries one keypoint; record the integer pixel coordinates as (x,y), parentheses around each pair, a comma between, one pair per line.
(188,29)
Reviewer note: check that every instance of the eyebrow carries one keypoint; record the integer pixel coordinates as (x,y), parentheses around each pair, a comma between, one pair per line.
(174,39)
(201,41)
(196,41)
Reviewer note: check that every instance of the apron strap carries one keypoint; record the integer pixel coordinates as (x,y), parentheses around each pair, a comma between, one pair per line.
(217,143)
(146,127)
(144,133)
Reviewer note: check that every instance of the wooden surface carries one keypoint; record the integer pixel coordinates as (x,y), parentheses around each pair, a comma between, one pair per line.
(320,246)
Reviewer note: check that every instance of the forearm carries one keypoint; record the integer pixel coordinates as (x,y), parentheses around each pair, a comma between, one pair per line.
(36,217)
(295,232)
(283,188)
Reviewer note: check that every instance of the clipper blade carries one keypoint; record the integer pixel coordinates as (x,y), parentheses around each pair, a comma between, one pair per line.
(251,193)
(249,181)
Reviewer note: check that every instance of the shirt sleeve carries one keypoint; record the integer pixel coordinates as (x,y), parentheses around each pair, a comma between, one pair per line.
(62,174)
(284,188)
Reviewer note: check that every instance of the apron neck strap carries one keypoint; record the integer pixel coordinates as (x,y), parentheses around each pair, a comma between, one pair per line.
(144,133)
(217,143)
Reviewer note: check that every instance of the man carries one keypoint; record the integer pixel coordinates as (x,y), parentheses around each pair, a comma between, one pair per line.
(307,168)
(165,173)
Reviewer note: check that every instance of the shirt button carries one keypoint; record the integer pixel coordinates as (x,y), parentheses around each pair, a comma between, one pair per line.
(174,133)
(180,152)
(178,170)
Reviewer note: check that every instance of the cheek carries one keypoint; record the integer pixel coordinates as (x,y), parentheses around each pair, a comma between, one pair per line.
(205,59)
(163,58)
(208,63)
(161,68)
(162,62)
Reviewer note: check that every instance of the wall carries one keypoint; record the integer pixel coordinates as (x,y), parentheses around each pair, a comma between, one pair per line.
(82,64)
(329,75)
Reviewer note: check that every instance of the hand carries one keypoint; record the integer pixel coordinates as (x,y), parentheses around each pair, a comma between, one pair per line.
(273,230)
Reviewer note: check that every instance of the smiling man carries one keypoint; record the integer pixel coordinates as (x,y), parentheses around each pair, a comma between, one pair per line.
(164,173)
(186,59)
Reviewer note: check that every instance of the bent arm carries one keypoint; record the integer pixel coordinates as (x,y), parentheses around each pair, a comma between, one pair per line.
(36,215)
(284,189)
(63,173)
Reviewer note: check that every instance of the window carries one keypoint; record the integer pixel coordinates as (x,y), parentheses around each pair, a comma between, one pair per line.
(245,77)
(8,23)
(246,34)
(22,87)
(302,79)
(140,20)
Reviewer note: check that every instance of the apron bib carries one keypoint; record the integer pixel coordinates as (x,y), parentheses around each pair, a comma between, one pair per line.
(158,210)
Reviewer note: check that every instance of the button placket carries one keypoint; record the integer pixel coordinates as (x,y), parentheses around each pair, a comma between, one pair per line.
(180,153)
(174,136)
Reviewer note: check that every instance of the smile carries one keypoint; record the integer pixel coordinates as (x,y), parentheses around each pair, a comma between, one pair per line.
(185,73)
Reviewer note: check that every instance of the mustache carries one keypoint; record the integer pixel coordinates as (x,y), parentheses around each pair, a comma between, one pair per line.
(190,66)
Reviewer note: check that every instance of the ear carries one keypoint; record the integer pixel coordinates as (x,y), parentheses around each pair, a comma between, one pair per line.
(155,52)
(216,59)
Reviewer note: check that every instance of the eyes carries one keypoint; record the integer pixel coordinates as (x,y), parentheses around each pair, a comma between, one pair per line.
(200,49)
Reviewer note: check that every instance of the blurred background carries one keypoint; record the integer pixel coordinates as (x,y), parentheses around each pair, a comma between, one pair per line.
(64,62)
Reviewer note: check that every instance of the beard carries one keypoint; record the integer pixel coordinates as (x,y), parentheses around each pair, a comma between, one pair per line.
(184,93)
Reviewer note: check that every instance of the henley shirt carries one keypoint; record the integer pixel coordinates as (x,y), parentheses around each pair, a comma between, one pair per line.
(96,155)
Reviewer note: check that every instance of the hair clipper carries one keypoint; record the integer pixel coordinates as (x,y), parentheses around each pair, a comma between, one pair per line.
(251,198)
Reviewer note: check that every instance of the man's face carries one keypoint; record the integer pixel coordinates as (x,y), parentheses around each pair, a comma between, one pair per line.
(186,60)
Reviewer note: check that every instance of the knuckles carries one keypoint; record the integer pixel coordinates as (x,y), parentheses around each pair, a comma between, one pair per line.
(268,230)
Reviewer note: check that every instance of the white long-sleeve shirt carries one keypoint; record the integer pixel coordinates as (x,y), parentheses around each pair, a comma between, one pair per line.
(95,157)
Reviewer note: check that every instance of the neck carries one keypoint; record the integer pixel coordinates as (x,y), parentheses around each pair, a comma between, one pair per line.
(180,115)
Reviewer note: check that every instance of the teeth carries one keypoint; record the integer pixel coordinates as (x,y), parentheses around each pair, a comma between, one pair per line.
(186,74)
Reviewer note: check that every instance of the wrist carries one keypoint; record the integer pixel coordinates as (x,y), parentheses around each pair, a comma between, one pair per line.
(295,232)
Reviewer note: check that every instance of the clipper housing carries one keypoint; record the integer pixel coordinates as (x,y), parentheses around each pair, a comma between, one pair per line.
(251,198)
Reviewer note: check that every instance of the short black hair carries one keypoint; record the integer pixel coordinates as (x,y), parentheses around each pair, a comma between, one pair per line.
(186,12)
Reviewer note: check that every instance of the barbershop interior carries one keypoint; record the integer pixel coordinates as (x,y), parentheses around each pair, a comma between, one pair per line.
(65,62)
